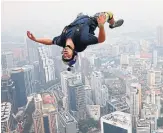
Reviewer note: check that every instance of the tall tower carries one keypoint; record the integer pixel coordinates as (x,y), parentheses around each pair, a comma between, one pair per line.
(135,108)
(160,35)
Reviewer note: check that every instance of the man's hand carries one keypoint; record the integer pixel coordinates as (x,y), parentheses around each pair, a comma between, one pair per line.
(30,35)
(101,20)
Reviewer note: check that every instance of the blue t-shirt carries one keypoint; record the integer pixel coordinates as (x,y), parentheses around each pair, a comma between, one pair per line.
(86,37)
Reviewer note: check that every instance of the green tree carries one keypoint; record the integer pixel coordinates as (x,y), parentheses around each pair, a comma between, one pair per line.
(85,125)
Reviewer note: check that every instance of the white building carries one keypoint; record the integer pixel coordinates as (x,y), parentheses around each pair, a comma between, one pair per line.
(116,122)
(143,126)
(46,64)
(124,60)
(67,123)
(7,61)
(96,85)
(160,35)
(135,104)
(88,95)
(65,76)
(104,95)
(154,77)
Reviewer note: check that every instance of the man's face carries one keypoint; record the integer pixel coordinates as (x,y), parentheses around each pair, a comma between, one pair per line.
(67,53)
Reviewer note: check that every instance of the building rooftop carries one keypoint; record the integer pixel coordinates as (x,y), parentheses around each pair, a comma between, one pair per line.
(17,70)
(75,82)
(119,119)
(49,103)
(119,105)
(87,87)
(5,111)
(143,123)
(67,117)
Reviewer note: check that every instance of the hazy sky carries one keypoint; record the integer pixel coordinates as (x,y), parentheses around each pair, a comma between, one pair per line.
(54,15)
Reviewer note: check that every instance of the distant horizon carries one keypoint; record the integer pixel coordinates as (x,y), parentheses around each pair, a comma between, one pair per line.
(54,15)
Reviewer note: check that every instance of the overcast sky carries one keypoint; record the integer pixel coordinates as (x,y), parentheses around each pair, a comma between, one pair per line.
(54,15)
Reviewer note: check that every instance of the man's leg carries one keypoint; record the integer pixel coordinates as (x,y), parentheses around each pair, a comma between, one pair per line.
(111,20)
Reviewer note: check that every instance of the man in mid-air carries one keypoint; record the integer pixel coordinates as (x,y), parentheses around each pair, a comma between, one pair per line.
(76,36)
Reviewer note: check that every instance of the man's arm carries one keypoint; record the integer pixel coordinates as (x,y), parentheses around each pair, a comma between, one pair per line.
(101,21)
(45,41)
(41,40)
(101,35)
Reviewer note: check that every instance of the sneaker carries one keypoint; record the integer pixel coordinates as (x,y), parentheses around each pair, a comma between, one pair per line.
(117,23)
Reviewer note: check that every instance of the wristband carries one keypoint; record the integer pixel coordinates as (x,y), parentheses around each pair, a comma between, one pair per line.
(100,25)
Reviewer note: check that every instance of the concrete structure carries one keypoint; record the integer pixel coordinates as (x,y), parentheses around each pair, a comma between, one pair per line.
(116,122)
(44,116)
(67,123)
(143,126)
(7,121)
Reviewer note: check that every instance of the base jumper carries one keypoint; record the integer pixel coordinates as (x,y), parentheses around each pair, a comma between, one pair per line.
(76,36)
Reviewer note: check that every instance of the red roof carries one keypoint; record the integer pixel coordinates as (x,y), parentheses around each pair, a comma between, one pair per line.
(47,99)
(145,55)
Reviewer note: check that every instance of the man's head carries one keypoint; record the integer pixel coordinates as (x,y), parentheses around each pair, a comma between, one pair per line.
(67,53)
(69,56)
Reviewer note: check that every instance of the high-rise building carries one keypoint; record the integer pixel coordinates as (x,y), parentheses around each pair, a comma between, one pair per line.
(32,51)
(8,92)
(104,95)
(160,35)
(67,123)
(154,58)
(21,82)
(124,61)
(44,116)
(88,95)
(96,85)
(7,120)
(135,104)
(38,121)
(7,62)
(29,74)
(143,126)
(116,122)
(77,104)
(154,78)
(46,63)
(65,75)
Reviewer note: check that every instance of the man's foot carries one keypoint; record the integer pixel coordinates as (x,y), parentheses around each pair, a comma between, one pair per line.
(117,23)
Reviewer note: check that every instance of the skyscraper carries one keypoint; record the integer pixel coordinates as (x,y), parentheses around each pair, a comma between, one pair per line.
(7,120)
(67,123)
(44,116)
(47,70)
(160,35)
(153,78)
(116,122)
(135,105)
(20,82)
(77,102)
(7,61)
(8,92)
(65,75)
(32,51)
(96,85)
